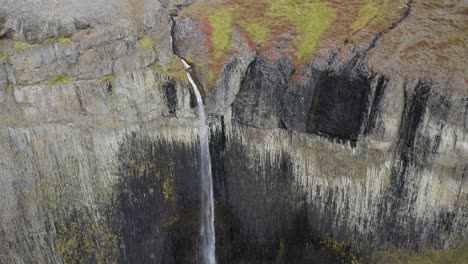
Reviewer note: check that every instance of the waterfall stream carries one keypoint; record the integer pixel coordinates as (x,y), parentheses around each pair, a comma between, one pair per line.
(207,231)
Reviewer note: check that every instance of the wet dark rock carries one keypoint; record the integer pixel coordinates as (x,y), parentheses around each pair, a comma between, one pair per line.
(156,210)
(319,102)
(170,94)
(258,102)
(339,106)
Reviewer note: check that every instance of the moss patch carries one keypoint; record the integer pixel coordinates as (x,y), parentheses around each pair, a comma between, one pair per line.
(10,88)
(85,240)
(147,43)
(427,256)
(57,40)
(3,56)
(62,79)
(168,189)
(281,252)
(369,11)
(221,23)
(310,19)
(19,45)
(341,251)
(113,122)
(174,69)
(258,32)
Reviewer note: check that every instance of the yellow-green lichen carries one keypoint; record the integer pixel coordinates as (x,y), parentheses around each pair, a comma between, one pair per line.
(428,256)
(311,20)
(168,189)
(10,88)
(369,11)
(221,23)
(174,69)
(64,40)
(19,45)
(140,165)
(340,250)
(168,184)
(258,32)
(85,240)
(281,252)
(109,80)
(171,222)
(3,56)
(113,122)
(147,43)
(62,79)
(57,40)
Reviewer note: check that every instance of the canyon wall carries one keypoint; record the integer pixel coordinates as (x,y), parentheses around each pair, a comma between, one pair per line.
(354,154)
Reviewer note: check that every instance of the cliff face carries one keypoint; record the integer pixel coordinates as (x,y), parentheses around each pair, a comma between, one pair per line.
(353,144)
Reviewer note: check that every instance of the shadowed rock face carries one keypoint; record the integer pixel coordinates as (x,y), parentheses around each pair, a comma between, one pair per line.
(170,93)
(334,160)
(324,102)
(339,105)
(2,23)
(157,204)
(259,101)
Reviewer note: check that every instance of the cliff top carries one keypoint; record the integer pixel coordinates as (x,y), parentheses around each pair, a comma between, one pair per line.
(415,39)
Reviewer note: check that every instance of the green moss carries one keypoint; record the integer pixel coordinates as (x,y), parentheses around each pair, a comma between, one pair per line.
(311,20)
(168,184)
(174,69)
(62,79)
(171,222)
(3,56)
(341,251)
(168,189)
(427,256)
(147,43)
(10,88)
(57,40)
(19,45)
(369,11)
(84,240)
(281,252)
(221,23)
(113,122)
(258,32)
(64,40)
(110,82)
(211,77)
(48,40)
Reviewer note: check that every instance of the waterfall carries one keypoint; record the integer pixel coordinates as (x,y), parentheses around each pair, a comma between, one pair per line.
(207,232)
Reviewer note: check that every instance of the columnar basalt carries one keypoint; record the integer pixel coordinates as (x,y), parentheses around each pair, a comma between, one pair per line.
(354,150)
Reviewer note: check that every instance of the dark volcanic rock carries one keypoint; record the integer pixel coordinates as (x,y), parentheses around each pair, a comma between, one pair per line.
(318,102)
(156,210)
(339,105)
(258,102)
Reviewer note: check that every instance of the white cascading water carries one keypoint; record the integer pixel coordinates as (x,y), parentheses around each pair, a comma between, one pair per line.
(207,231)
